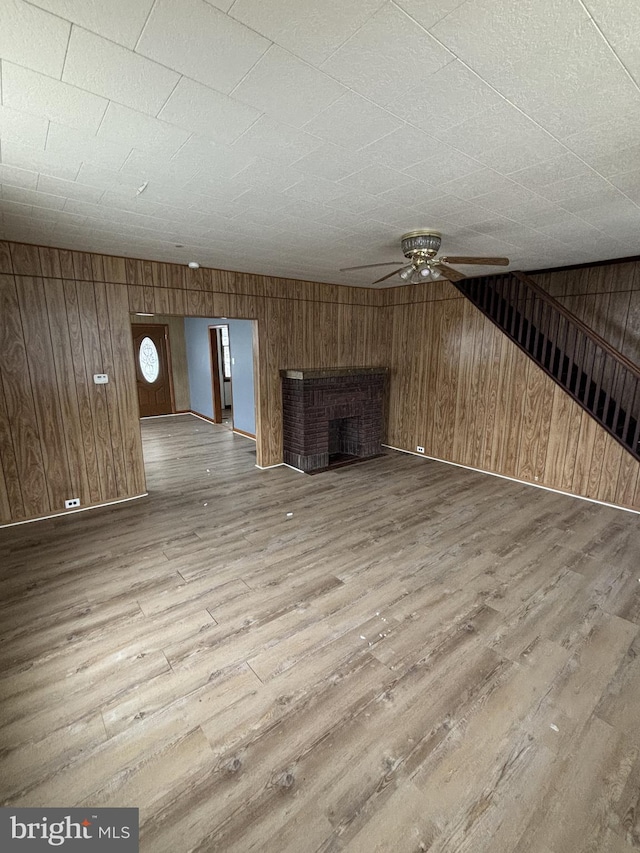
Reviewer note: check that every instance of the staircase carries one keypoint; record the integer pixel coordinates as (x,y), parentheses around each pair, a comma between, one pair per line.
(602,380)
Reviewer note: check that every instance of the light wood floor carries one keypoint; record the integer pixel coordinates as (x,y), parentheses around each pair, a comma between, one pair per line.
(420,658)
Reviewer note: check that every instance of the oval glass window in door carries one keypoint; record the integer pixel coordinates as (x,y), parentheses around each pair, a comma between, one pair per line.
(149,360)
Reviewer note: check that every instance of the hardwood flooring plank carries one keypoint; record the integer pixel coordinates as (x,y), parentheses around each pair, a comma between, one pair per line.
(421,657)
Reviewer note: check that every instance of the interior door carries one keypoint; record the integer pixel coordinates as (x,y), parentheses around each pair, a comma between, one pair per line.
(153,376)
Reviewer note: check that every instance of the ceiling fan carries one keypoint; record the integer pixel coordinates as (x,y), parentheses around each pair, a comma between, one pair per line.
(421,248)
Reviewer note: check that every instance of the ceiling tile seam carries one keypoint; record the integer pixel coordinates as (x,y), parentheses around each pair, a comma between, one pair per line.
(246,74)
(408,123)
(231,144)
(369,101)
(126,159)
(609,45)
(144,27)
(128,50)
(373,103)
(348,39)
(482,80)
(443,18)
(426,30)
(66,53)
(52,15)
(64,83)
(521,111)
(177,83)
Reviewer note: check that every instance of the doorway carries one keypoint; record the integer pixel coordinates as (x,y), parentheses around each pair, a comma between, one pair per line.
(153,374)
(221,383)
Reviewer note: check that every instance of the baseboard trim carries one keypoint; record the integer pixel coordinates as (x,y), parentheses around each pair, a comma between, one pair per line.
(168,415)
(202,417)
(80,509)
(243,433)
(266,467)
(514,479)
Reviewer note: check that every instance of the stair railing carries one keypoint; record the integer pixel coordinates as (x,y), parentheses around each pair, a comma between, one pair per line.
(602,380)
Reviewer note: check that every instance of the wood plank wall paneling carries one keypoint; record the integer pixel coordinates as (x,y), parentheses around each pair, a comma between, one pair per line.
(457,385)
(464,392)
(66,315)
(606,298)
(21,428)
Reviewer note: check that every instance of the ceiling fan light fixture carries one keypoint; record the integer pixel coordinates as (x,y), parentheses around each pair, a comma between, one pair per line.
(406,273)
(425,242)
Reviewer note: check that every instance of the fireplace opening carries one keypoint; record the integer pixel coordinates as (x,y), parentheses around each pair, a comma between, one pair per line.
(332,416)
(343,439)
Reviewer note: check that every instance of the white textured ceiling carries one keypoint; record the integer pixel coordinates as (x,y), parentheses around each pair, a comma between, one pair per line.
(295,137)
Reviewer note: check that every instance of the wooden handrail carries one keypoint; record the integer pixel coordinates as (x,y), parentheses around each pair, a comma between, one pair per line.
(583,364)
(595,337)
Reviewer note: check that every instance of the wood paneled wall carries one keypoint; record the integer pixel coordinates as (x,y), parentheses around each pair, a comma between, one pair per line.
(606,298)
(65,316)
(62,436)
(178,355)
(458,386)
(464,392)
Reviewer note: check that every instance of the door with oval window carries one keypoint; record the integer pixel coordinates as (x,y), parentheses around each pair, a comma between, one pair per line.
(153,376)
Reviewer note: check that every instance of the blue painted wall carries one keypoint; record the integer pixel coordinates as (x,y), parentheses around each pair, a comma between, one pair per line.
(196,333)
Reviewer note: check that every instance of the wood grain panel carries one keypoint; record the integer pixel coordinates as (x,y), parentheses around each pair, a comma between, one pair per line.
(110,389)
(97,393)
(490,393)
(114,269)
(22,422)
(536,415)
(6,264)
(26,258)
(97,268)
(628,480)
(610,471)
(67,391)
(125,384)
(11,502)
(50,262)
(85,413)
(44,383)
(66,264)
(83,268)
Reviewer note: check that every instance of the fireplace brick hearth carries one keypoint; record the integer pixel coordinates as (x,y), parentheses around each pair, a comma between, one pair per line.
(332,416)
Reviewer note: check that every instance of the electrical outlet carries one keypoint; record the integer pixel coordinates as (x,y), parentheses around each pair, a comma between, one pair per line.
(420,449)
(71,503)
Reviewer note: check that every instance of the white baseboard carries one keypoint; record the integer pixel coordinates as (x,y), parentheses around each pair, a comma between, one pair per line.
(513,479)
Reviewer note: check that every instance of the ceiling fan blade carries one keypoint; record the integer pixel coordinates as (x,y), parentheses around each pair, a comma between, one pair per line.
(385,277)
(463,259)
(368,266)
(450,273)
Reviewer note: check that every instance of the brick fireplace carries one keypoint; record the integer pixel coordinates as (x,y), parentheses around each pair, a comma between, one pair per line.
(332,417)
